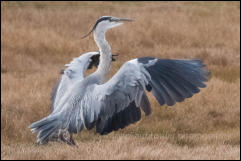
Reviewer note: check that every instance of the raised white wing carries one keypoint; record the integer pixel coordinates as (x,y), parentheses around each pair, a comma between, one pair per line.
(116,103)
(74,71)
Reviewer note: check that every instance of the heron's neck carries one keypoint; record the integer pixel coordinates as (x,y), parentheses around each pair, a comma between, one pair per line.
(105,55)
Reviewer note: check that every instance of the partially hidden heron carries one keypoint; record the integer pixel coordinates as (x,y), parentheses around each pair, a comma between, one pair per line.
(92,101)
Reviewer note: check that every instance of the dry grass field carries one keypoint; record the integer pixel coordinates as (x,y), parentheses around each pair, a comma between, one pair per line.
(38,38)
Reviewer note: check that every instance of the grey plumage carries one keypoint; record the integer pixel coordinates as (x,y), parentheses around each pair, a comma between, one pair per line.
(175,80)
(129,115)
(127,87)
(74,71)
(91,101)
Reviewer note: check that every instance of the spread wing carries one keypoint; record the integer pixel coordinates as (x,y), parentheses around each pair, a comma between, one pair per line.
(117,103)
(75,71)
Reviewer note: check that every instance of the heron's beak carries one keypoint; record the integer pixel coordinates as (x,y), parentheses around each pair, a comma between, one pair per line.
(122,20)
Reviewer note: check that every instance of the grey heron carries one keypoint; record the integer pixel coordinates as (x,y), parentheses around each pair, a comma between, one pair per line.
(109,105)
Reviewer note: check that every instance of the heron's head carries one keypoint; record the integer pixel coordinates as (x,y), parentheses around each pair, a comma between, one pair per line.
(107,22)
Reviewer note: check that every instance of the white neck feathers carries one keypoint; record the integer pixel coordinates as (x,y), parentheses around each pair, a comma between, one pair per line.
(105,54)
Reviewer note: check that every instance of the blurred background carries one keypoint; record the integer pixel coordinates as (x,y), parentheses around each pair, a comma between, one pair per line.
(39,38)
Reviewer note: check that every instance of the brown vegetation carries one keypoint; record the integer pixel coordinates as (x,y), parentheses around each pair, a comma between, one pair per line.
(38,38)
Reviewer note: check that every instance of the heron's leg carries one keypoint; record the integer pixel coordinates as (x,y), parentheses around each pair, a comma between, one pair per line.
(62,138)
(71,139)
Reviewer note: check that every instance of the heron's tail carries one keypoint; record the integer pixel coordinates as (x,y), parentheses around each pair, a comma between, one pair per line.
(45,128)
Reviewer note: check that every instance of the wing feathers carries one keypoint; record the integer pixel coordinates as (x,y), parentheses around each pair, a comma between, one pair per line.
(123,95)
(145,104)
(174,80)
(118,103)
(129,115)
